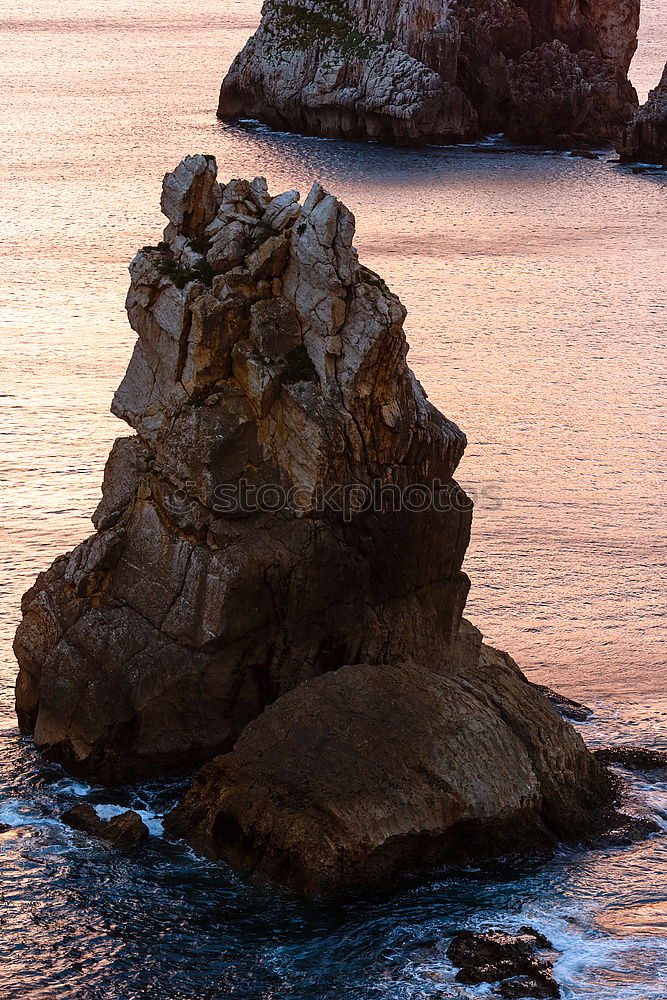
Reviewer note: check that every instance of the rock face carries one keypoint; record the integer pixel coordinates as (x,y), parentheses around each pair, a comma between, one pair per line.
(362,773)
(645,138)
(239,548)
(122,831)
(277,569)
(438,70)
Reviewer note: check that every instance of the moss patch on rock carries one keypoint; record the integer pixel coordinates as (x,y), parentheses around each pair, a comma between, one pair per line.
(328,23)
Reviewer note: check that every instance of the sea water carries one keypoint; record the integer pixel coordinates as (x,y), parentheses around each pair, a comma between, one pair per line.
(535,284)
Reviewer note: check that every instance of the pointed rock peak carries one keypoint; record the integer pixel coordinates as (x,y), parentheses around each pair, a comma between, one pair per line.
(191,195)
(315,196)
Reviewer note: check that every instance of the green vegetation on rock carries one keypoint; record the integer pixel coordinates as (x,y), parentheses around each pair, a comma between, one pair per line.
(181,276)
(328,22)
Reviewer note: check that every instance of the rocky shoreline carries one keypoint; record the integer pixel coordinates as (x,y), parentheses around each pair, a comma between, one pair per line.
(421,71)
(275,587)
(645,137)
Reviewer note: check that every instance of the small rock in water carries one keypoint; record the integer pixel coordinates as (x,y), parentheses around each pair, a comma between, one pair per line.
(542,987)
(634,758)
(625,830)
(510,959)
(566,706)
(584,154)
(122,831)
(541,940)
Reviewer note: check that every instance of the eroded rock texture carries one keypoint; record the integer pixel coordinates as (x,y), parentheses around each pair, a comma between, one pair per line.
(512,959)
(645,138)
(267,356)
(365,772)
(439,70)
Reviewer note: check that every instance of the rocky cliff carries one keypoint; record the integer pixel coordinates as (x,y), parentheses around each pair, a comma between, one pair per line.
(439,70)
(276,573)
(645,138)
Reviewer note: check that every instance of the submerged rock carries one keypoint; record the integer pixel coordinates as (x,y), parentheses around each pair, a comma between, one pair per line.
(645,138)
(123,831)
(568,708)
(495,955)
(634,758)
(277,569)
(438,70)
(369,771)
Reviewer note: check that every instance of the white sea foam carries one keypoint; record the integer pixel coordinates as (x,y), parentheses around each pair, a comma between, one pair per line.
(151,819)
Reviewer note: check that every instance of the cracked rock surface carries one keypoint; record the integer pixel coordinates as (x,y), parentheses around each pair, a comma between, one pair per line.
(411,71)
(361,774)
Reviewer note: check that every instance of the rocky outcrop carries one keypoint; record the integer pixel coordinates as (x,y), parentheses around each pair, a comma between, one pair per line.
(286,506)
(123,831)
(438,70)
(362,773)
(508,959)
(645,138)
(276,574)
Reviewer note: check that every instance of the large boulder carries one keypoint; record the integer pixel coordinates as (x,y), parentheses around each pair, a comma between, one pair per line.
(363,773)
(286,506)
(438,70)
(645,138)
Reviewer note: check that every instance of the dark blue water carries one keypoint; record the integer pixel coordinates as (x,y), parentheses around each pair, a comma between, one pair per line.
(81,921)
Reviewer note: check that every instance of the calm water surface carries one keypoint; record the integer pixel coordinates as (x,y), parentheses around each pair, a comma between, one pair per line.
(536,289)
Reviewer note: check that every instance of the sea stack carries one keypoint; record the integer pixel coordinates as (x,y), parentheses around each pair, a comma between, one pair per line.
(275,580)
(411,71)
(645,138)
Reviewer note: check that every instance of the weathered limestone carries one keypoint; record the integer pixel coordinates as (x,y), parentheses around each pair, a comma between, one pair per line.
(438,70)
(645,137)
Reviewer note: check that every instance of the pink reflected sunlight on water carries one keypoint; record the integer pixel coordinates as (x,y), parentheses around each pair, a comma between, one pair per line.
(536,288)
